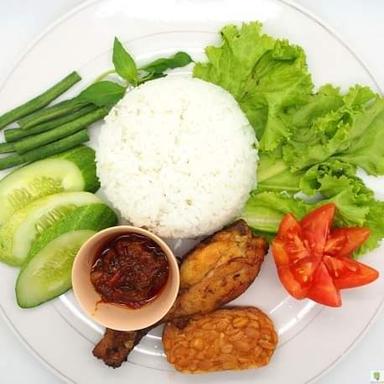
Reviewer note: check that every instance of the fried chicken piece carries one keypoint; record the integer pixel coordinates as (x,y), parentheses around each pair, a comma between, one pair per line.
(226,339)
(214,273)
(219,270)
(115,346)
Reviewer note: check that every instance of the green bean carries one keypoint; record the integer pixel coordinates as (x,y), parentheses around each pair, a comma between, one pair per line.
(7,147)
(45,151)
(59,146)
(40,101)
(32,142)
(47,114)
(11,161)
(16,134)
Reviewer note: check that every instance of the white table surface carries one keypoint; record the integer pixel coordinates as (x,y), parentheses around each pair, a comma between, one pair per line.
(359,22)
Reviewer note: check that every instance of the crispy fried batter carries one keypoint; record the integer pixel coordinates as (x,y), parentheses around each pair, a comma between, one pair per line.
(233,338)
(219,270)
(214,273)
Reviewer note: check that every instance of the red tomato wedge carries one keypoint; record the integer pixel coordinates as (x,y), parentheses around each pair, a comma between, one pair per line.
(314,261)
(316,226)
(297,290)
(349,273)
(323,289)
(292,237)
(344,241)
(304,269)
(289,225)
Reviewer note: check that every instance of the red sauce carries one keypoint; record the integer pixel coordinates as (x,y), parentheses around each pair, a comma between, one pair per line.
(130,270)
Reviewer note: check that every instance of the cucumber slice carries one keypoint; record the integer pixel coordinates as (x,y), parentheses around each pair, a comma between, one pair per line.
(47,272)
(71,171)
(26,224)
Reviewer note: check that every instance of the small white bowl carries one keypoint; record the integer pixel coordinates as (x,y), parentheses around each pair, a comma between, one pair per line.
(115,316)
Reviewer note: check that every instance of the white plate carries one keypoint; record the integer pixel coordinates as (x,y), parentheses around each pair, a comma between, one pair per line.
(312,339)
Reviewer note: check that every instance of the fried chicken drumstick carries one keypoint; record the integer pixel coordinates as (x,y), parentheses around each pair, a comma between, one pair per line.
(215,272)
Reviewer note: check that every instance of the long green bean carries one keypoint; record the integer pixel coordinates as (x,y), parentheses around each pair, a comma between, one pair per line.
(11,161)
(45,151)
(7,147)
(36,141)
(15,134)
(47,114)
(40,101)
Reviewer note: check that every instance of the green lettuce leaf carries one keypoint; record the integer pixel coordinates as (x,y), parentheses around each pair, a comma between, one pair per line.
(336,182)
(310,144)
(332,181)
(267,77)
(327,99)
(273,174)
(264,210)
(366,149)
(351,132)
(317,178)
(375,222)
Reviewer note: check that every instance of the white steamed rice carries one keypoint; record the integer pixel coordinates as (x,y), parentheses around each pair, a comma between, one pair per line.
(177,156)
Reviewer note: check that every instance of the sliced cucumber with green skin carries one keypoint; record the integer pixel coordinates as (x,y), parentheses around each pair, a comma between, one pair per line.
(47,272)
(48,275)
(71,171)
(26,224)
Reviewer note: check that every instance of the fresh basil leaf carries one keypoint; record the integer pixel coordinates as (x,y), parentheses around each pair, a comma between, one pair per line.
(180,59)
(151,76)
(102,93)
(124,64)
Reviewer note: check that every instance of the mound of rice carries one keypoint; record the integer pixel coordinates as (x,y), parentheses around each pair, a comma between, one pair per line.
(177,156)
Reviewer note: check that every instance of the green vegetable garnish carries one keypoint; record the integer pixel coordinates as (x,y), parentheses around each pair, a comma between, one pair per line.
(103,93)
(266,77)
(59,146)
(36,141)
(49,113)
(40,101)
(6,147)
(159,66)
(273,174)
(125,66)
(309,143)
(332,181)
(350,132)
(16,134)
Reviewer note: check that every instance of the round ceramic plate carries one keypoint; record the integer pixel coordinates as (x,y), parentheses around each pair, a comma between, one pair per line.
(312,338)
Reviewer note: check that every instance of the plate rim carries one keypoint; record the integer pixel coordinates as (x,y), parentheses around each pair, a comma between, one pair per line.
(290,3)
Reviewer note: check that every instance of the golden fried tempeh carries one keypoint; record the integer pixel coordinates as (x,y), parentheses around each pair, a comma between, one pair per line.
(214,273)
(227,339)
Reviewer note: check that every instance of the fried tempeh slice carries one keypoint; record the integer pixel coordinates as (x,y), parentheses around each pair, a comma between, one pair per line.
(214,273)
(227,339)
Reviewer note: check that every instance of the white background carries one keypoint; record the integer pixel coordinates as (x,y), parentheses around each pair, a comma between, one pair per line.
(359,22)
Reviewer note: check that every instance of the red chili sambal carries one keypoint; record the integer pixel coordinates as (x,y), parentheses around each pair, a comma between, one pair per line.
(130,270)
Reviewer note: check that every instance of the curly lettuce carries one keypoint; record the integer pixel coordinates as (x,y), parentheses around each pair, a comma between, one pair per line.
(310,143)
(264,210)
(352,133)
(333,181)
(266,76)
